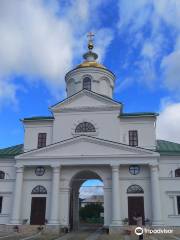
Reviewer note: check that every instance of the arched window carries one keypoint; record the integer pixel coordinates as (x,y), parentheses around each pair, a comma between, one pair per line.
(85,127)
(87,83)
(177,172)
(135,189)
(39,190)
(2,175)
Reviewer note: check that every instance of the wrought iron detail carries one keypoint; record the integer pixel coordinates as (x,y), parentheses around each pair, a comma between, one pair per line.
(85,127)
(135,189)
(39,190)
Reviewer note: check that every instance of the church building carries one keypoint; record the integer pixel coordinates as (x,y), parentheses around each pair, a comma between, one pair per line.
(89,136)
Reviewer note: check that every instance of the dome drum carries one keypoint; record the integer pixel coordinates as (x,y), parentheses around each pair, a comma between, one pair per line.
(102,80)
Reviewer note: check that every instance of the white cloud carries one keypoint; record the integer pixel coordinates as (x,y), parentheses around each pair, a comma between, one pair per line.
(104,38)
(7,93)
(150,26)
(91,190)
(168,126)
(171,68)
(41,39)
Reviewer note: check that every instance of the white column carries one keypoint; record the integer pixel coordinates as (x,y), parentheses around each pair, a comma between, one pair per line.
(155,192)
(75,210)
(116,211)
(54,214)
(107,206)
(15,218)
(65,202)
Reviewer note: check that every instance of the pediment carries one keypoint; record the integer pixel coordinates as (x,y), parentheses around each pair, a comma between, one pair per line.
(85,146)
(86,99)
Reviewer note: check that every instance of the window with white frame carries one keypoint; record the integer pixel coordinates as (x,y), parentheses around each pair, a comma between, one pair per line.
(87,83)
(42,140)
(133,138)
(175,200)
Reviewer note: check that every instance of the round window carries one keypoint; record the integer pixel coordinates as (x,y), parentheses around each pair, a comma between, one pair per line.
(134,169)
(39,171)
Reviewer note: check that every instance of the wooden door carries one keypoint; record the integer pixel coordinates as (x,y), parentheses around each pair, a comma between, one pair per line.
(38,211)
(135,207)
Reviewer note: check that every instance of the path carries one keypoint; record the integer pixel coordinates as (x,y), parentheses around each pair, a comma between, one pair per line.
(85,234)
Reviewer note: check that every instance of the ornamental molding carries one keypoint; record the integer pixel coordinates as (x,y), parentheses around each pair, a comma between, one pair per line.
(173,193)
(109,80)
(86,75)
(5,193)
(113,150)
(89,109)
(91,70)
(109,103)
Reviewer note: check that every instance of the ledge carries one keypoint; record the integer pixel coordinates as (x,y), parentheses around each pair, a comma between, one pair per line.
(173,216)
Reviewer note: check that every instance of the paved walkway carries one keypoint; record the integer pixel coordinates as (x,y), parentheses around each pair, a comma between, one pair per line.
(91,236)
(95,235)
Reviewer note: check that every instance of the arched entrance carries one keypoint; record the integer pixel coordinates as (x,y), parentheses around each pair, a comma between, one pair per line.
(38,205)
(75,202)
(135,203)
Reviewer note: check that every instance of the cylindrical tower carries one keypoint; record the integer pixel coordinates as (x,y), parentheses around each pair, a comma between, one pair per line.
(90,75)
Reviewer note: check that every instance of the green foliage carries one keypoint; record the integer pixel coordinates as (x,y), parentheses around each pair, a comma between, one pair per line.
(91,212)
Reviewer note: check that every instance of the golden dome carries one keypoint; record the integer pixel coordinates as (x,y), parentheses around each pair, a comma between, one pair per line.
(90,64)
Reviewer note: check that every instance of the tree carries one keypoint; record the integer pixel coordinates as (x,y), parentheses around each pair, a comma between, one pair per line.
(91,210)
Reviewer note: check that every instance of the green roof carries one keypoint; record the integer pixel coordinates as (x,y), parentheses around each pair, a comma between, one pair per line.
(10,152)
(168,148)
(139,114)
(38,118)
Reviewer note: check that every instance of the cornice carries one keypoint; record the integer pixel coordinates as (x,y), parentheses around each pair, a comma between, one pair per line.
(88,109)
(88,70)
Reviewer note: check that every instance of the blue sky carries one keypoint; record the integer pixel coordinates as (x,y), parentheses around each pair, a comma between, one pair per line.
(41,40)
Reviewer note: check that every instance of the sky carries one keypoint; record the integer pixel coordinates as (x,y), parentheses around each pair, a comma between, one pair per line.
(40,40)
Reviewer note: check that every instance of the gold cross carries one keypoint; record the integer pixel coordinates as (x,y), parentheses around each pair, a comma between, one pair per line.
(90,36)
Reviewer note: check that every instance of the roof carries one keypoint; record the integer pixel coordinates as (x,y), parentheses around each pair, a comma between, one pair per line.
(85,90)
(37,118)
(139,114)
(168,148)
(10,152)
(91,64)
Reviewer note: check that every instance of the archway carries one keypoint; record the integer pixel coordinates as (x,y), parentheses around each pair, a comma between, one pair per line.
(38,205)
(79,199)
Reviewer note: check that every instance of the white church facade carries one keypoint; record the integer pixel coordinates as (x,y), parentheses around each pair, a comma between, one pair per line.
(88,136)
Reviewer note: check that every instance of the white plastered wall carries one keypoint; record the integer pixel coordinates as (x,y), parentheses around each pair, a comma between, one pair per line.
(31,133)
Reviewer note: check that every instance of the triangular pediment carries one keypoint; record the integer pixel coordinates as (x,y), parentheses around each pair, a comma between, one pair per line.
(86,146)
(85,100)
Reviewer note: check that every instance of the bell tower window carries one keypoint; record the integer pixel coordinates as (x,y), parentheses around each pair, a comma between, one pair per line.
(87,83)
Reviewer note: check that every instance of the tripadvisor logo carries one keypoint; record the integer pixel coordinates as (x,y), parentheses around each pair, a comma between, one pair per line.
(139,231)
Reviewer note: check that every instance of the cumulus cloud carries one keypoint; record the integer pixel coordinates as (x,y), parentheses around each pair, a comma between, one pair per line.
(171,67)
(151,26)
(168,126)
(41,40)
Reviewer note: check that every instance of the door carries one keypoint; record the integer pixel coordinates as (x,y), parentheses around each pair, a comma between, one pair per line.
(38,211)
(135,207)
